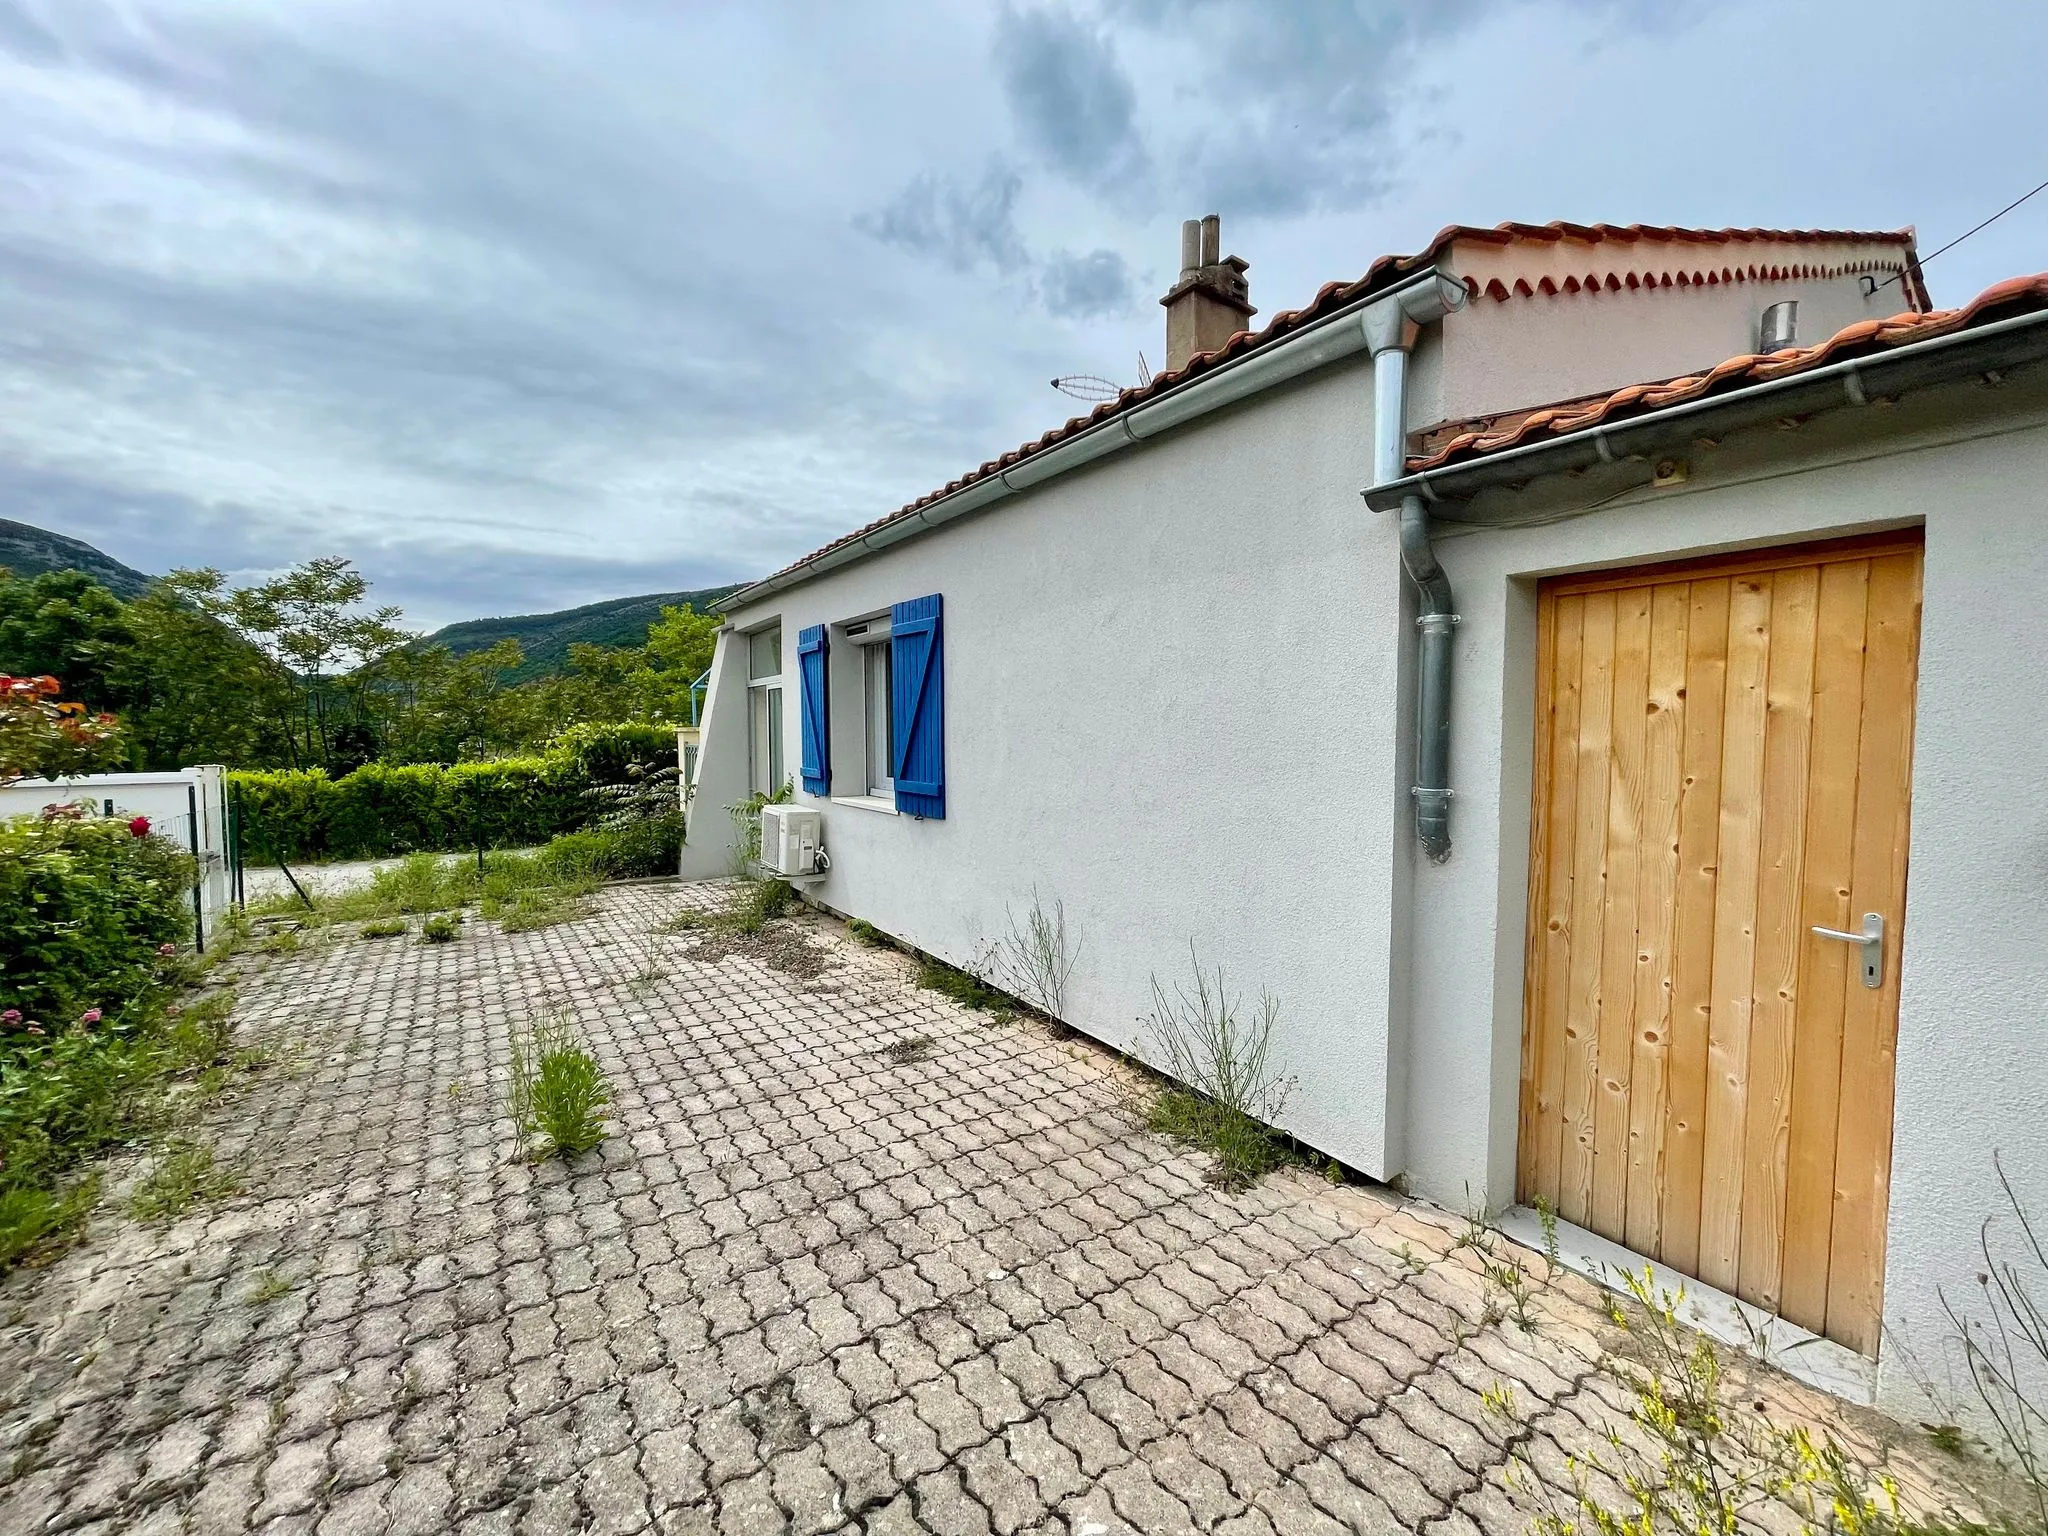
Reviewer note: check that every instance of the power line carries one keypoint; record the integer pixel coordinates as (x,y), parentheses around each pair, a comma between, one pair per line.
(1959,239)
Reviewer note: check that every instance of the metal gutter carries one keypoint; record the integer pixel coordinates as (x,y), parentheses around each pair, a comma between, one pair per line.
(1328,340)
(1856,381)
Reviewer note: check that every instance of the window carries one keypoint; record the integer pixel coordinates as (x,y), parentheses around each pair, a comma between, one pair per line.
(879,717)
(764,710)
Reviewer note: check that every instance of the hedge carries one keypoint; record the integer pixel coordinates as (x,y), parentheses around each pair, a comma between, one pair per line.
(84,905)
(384,809)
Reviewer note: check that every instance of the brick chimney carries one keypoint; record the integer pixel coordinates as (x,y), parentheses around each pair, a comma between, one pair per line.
(1211,302)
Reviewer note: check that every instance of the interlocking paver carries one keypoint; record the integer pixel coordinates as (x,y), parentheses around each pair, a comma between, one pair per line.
(802,1285)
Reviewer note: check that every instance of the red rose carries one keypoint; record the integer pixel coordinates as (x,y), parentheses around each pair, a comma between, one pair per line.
(139,827)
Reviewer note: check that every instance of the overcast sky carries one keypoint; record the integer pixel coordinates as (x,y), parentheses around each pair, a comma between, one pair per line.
(524,303)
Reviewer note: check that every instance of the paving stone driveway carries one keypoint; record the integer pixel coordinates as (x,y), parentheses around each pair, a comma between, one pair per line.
(806,1286)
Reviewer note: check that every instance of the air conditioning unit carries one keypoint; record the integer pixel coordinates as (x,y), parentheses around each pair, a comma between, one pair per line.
(792,841)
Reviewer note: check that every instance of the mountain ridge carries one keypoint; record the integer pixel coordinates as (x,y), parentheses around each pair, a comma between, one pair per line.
(544,638)
(30,551)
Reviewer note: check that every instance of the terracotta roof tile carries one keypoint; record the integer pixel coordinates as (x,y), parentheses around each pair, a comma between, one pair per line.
(1334,296)
(2017,295)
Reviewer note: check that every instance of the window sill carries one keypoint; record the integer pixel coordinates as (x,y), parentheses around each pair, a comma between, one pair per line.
(867,803)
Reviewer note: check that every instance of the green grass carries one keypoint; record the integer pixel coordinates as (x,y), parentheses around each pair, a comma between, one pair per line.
(970,991)
(559,1094)
(757,903)
(384,928)
(522,890)
(182,1174)
(867,933)
(269,1287)
(441,928)
(1243,1149)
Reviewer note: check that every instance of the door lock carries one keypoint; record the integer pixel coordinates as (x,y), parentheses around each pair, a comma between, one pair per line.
(1872,941)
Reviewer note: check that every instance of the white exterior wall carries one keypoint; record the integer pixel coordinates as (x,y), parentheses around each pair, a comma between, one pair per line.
(1972,1066)
(1168,706)
(1177,701)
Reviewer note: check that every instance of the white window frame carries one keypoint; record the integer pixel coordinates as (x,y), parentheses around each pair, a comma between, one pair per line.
(767,763)
(864,767)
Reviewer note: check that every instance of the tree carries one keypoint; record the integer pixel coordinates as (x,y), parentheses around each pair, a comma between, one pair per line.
(44,737)
(433,706)
(322,649)
(190,689)
(63,624)
(680,644)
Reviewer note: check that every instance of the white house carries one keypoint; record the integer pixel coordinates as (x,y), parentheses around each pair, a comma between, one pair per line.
(1526,827)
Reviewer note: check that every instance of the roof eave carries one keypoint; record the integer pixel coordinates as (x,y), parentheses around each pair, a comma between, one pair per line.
(1852,381)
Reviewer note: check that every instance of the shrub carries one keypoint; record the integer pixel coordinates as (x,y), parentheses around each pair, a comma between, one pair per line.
(66,1096)
(85,907)
(625,851)
(382,809)
(603,752)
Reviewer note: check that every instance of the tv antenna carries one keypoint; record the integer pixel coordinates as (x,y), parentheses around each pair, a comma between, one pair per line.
(1087,386)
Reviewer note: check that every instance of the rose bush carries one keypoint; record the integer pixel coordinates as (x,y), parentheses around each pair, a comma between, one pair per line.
(44,736)
(86,906)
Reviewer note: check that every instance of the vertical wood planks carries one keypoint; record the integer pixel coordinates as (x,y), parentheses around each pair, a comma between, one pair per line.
(1692,983)
(1863,1147)
(1741,831)
(1589,843)
(1774,988)
(1826,970)
(1618,916)
(1722,763)
(1550,996)
(1656,912)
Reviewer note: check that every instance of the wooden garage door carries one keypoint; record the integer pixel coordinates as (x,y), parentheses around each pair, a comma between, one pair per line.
(1722,764)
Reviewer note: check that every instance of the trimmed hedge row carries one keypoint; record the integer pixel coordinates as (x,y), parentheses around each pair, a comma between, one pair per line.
(384,809)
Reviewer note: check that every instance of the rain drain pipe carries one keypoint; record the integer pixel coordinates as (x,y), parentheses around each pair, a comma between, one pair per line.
(1391,327)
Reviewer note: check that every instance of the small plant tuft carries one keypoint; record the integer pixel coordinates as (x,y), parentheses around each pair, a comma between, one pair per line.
(384,928)
(269,1286)
(909,1049)
(181,1175)
(1034,960)
(558,1094)
(441,928)
(867,933)
(1226,1094)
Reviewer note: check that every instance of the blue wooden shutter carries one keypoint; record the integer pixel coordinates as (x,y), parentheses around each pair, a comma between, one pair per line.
(810,676)
(919,707)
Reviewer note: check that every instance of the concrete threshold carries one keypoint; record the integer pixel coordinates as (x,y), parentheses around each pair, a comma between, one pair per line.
(1806,1356)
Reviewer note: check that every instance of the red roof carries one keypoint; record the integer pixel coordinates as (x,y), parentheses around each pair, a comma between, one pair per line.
(2014,296)
(1334,296)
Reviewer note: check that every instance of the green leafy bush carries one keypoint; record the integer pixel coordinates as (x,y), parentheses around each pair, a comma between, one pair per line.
(85,907)
(382,809)
(441,928)
(623,852)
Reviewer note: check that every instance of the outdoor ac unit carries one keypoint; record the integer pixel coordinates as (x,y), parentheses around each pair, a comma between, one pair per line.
(792,841)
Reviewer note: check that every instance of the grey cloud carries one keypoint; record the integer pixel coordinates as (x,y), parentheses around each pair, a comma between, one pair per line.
(962,224)
(1074,104)
(1086,287)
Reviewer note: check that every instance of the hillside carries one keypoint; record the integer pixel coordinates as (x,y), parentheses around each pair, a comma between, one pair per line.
(30,551)
(546,637)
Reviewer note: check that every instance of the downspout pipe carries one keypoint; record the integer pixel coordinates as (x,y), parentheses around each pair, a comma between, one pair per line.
(1391,328)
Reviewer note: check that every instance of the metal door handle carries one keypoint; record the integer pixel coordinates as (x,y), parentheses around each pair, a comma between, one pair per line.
(1872,940)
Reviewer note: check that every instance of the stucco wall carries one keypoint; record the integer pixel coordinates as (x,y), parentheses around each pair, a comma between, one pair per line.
(1972,1072)
(1169,685)
(1503,355)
